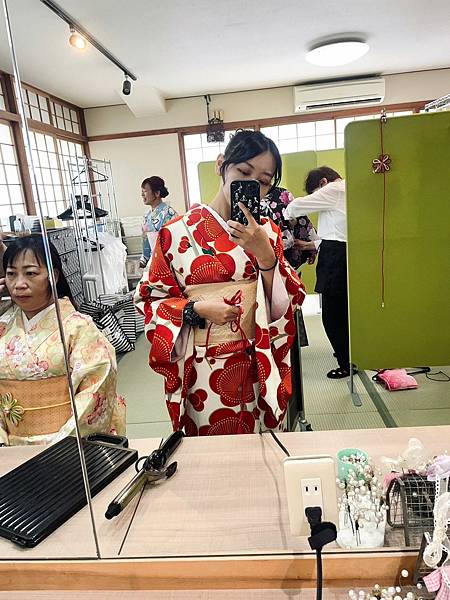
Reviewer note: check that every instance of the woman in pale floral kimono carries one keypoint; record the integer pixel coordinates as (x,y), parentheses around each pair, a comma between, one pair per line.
(35,406)
(219,300)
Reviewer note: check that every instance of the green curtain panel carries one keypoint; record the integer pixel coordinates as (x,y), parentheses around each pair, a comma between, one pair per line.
(296,166)
(413,327)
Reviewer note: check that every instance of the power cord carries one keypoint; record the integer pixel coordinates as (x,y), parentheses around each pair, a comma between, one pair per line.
(441,373)
(322,533)
(275,437)
(429,375)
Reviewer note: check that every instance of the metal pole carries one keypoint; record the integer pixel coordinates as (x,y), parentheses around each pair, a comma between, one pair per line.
(88,166)
(51,275)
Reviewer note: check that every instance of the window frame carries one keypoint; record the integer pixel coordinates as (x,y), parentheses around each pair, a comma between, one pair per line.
(11,116)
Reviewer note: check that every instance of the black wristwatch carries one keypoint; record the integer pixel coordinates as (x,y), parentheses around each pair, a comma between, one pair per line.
(190,317)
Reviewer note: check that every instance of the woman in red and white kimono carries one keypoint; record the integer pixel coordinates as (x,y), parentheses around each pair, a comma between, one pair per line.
(219,301)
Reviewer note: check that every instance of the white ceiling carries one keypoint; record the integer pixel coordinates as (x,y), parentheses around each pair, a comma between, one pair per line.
(191,47)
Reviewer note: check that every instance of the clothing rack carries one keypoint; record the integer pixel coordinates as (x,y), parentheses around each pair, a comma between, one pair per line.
(92,186)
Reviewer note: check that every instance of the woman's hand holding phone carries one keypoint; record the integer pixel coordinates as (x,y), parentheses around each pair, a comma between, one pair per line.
(253,239)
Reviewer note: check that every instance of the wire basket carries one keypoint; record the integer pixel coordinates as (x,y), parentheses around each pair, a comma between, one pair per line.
(410,503)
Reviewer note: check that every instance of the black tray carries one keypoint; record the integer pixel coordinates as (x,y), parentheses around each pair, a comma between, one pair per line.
(45,491)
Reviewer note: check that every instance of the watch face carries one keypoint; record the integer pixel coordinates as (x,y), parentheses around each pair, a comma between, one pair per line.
(190,316)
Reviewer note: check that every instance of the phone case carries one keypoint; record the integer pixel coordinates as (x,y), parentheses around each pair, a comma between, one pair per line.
(248,192)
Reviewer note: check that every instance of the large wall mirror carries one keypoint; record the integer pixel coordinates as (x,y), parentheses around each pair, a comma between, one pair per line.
(46,385)
(95,174)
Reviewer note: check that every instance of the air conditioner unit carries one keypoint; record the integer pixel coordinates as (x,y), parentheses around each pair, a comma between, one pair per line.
(329,96)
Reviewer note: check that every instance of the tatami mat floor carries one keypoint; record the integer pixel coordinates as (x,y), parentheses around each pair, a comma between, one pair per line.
(328,403)
(143,389)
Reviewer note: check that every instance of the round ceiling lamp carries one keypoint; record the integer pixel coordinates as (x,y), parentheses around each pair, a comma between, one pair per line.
(76,40)
(333,54)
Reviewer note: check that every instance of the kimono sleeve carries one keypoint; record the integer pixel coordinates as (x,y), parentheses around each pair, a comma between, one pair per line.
(94,378)
(170,214)
(161,300)
(288,292)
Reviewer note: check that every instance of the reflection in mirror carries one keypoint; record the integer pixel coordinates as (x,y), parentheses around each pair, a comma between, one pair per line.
(41,342)
(95,182)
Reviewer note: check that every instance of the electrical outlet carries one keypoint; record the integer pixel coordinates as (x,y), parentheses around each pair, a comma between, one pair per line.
(311,493)
(310,481)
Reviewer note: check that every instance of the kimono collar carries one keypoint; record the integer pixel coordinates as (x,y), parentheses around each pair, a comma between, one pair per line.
(216,215)
(30,323)
(223,224)
(154,211)
(47,317)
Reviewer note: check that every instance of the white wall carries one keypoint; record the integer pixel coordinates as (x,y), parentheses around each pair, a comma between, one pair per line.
(133,159)
(276,102)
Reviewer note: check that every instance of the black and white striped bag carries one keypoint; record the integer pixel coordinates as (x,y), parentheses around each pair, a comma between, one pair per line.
(107,322)
(122,306)
(111,299)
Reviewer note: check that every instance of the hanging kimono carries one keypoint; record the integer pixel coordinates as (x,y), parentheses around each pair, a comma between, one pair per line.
(34,399)
(219,380)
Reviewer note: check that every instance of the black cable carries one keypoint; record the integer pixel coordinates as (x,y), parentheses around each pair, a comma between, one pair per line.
(319,550)
(447,378)
(319,574)
(278,442)
(419,371)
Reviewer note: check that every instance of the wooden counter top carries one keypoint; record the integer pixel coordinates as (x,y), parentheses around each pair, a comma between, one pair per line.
(223,513)
(228,496)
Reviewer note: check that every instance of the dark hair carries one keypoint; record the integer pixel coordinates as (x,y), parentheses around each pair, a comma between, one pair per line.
(313,178)
(156,185)
(246,144)
(34,244)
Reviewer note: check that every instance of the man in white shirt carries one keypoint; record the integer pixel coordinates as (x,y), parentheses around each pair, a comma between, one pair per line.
(326,195)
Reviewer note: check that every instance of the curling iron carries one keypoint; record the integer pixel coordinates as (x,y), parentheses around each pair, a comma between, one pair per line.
(153,469)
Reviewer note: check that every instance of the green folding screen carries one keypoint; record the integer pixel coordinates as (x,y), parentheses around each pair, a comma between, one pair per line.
(413,327)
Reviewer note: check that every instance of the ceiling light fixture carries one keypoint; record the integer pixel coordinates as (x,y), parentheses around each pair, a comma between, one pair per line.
(77,30)
(341,52)
(126,87)
(76,40)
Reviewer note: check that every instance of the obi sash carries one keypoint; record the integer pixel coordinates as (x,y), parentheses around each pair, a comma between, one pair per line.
(34,407)
(233,292)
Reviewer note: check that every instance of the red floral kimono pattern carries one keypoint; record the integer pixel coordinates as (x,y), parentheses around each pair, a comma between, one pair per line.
(234,390)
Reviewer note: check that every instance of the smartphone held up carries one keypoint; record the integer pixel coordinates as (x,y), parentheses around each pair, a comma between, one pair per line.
(248,192)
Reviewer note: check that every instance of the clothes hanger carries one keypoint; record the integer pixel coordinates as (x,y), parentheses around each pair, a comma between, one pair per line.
(102,177)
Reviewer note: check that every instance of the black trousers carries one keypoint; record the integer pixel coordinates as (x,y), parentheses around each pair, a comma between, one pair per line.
(332,284)
(335,323)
